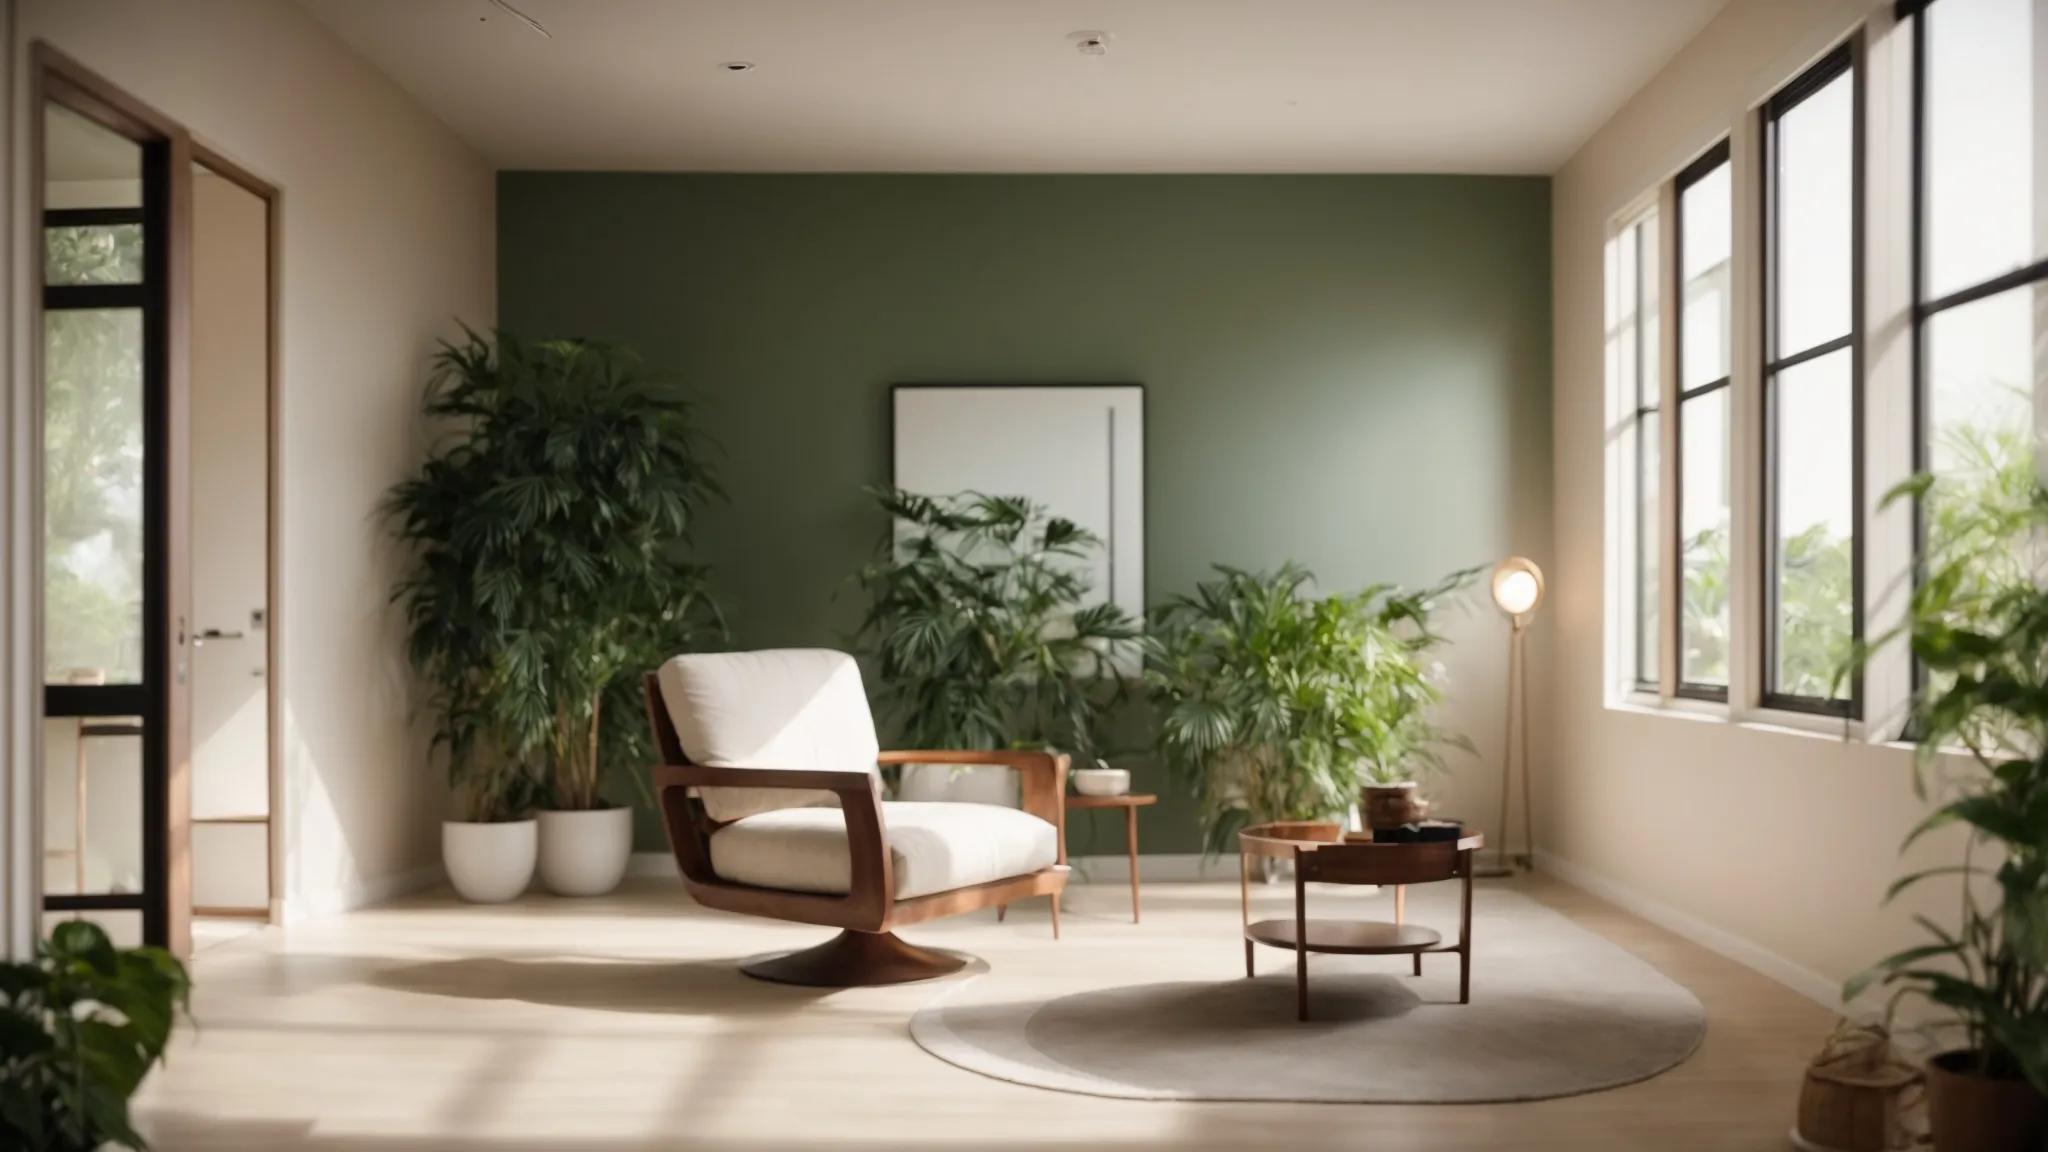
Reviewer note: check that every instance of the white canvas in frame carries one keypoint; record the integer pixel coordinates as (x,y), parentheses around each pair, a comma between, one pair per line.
(1079,450)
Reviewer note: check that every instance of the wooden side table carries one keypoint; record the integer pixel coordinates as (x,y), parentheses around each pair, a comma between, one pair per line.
(1130,802)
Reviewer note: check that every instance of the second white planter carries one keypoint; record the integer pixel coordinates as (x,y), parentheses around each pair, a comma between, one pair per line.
(488,863)
(585,853)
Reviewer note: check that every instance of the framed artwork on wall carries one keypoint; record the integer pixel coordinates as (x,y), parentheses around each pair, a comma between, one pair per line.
(1078,449)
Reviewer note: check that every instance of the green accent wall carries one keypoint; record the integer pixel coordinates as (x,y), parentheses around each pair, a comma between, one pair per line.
(1350,371)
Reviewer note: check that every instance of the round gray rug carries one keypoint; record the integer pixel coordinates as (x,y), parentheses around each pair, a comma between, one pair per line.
(1556,1010)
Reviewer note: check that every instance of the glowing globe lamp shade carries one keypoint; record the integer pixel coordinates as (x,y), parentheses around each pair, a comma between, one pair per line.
(1517,586)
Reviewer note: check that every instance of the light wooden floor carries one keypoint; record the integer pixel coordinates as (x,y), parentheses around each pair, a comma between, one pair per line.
(616,1024)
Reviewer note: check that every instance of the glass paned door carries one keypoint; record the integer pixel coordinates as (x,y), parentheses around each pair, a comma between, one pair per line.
(104,356)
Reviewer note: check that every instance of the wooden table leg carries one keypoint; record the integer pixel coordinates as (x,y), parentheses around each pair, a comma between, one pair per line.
(1465,936)
(1244,900)
(1300,941)
(1002,910)
(1131,846)
(1055,915)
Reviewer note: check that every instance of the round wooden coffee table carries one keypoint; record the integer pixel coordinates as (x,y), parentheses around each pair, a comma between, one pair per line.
(1326,854)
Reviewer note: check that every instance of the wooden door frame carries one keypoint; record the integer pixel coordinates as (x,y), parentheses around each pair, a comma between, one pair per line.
(167,794)
(273,703)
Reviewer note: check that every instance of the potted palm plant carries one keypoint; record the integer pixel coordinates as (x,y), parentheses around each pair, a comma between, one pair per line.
(549,535)
(1277,704)
(1978,624)
(981,636)
(83,1022)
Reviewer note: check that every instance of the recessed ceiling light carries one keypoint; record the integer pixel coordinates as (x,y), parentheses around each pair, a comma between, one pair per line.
(1091,42)
(738,65)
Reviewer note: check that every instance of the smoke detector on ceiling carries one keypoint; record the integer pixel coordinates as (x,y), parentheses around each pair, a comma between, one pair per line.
(1091,43)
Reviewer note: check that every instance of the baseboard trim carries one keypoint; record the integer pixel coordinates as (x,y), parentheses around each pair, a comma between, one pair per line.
(652,865)
(326,902)
(1742,950)
(1162,868)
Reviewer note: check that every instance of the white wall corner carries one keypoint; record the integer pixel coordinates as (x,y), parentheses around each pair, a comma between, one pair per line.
(302,907)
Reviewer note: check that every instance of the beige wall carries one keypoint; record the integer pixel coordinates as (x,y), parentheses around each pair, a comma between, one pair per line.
(1774,845)
(388,239)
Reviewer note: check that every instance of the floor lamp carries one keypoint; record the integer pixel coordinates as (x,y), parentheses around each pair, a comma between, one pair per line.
(1517,588)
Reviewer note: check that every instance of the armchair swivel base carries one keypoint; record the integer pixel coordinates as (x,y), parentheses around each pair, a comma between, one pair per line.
(856,960)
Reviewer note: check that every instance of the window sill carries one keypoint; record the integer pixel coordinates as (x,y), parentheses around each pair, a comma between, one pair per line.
(1677,707)
(1802,725)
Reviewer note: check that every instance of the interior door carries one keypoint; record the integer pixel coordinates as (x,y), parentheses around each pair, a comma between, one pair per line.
(109,178)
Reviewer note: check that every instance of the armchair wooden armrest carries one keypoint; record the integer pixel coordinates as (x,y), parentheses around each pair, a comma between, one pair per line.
(838,781)
(872,871)
(1041,778)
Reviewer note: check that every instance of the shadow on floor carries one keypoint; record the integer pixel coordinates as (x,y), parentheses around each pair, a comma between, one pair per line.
(185,1132)
(688,988)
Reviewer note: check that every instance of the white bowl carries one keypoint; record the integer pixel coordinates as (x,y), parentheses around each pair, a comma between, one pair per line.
(1101,781)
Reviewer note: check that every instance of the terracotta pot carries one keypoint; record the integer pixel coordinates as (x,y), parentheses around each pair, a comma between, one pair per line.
(1392,805)
(1971,1113)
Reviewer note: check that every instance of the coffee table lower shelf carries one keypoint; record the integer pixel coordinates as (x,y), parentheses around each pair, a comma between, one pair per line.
(1350,937)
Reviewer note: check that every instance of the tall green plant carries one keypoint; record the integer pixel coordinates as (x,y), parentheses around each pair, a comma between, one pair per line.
(977,625)
(550,568)
(1977,623)
(80,1026)
(1276,704)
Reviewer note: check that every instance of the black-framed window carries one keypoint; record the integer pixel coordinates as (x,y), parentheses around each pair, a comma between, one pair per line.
(1705,227)
(1980,266)
(1812,361)
(1633,332)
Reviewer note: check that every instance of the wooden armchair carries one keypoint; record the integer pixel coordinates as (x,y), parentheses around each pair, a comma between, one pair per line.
(758,749)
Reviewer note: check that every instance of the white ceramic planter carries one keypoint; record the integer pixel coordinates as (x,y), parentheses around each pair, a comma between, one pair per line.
(489,863)
(1101,781)
(585,853)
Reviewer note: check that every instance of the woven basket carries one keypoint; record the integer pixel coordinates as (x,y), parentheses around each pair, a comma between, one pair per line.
(1858,1093)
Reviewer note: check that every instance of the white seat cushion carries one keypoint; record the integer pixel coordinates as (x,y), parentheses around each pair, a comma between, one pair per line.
(792,708)
(936,847)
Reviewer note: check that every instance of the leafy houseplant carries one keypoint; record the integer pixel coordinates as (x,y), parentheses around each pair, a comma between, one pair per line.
(549,536)
(977,627)
(1276,704)
(80,1026)
(1977,623)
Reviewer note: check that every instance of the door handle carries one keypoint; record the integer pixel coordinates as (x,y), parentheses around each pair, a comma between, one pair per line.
(214,634)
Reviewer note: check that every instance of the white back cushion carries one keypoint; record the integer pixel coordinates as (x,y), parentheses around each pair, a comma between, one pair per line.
(790,708)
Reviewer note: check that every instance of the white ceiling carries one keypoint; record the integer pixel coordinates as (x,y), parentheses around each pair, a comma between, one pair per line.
(1497,86)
